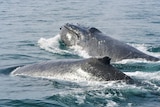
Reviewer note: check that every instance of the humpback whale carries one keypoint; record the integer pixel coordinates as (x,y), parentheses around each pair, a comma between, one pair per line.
(99,68)
(97,44)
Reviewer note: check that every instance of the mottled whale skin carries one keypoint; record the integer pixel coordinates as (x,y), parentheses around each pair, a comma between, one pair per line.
(98,44)
(96,67)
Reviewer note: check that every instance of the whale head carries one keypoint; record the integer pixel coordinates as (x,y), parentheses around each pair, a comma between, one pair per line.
(76,34)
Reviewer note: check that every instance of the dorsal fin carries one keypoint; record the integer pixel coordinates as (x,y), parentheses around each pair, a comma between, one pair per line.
(94,30)
(105,60)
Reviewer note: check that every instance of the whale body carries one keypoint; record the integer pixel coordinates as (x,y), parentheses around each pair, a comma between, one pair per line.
(99,68)
(97,44)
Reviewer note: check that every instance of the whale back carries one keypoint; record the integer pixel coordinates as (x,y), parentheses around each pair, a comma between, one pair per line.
(97,44)
(102,68)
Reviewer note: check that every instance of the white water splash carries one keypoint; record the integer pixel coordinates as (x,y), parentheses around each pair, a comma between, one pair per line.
(138,60)
(145,75)
(148,78)
(111,103)
(79,50)
(132,61)
(52,45)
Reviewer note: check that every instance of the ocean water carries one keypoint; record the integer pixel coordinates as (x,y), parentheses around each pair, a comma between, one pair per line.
(29,33)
